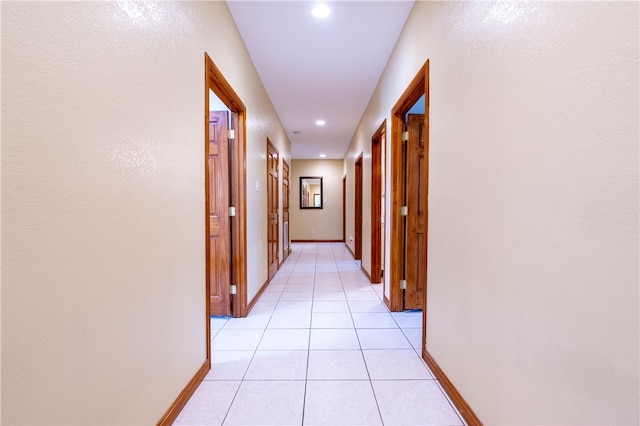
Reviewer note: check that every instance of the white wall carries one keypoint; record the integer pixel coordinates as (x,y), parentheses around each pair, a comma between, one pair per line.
(327,222)
(103,254)
(533,196)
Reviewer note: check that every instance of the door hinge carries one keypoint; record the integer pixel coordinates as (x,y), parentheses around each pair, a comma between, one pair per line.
(232,211)
(403,284)
(232,134)
(404,210)
(234,289)
(405,136)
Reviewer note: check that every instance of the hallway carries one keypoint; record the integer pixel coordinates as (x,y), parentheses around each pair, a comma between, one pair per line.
(319,347)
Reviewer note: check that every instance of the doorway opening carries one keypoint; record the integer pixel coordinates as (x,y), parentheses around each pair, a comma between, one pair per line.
(273,164)
(225,152)
(378,191)
(286,191)
(358,210)
(344,209)
(409,200)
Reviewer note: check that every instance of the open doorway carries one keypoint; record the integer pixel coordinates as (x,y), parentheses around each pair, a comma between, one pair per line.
(409,202)
(286,192)
(344,209)
(378,191)
(273,164)
(358,210)
(225,198)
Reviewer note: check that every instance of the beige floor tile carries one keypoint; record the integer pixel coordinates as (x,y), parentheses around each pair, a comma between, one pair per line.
(267,403)
(229,365)
(340,403)
(278,365)
(201,409)
(413,402)
(390,364)
(337,365)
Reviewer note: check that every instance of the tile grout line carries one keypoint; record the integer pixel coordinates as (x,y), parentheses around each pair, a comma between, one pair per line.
(306,376)
(364,361)
(308,260)
(242,380)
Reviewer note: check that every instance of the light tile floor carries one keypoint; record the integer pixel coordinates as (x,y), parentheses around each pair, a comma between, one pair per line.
(319,348)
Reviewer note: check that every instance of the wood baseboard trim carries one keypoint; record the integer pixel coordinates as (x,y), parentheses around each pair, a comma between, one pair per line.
(317,241)
(174,410)
(257,296)
(465,410)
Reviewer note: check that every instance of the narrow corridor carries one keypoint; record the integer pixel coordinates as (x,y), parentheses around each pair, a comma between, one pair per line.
(319,348)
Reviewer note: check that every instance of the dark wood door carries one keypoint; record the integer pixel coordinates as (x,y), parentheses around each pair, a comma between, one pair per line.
(377,204)
(416,196)
(272,208)
(358,210)
(219,246)
(344,209)
(286,240)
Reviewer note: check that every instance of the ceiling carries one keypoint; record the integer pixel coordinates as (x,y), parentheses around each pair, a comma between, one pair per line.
(316,68)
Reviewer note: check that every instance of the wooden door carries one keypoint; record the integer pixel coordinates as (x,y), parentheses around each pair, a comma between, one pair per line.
(272,208)
(416,196)
(286,240)
(219,247)
(344,209)
(358,210)
(377,205)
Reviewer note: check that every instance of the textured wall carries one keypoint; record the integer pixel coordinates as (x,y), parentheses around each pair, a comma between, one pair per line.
(102,203)
(533,196)
(327,222)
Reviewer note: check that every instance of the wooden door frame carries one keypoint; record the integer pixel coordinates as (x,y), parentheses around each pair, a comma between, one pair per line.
(288,195)
(419,86)
(223,90)
(376,195)
(357,207)
(344,209)
(270,144)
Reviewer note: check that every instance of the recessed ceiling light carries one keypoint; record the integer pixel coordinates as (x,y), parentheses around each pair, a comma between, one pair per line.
(323,155)
(320,123)
(321,10)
